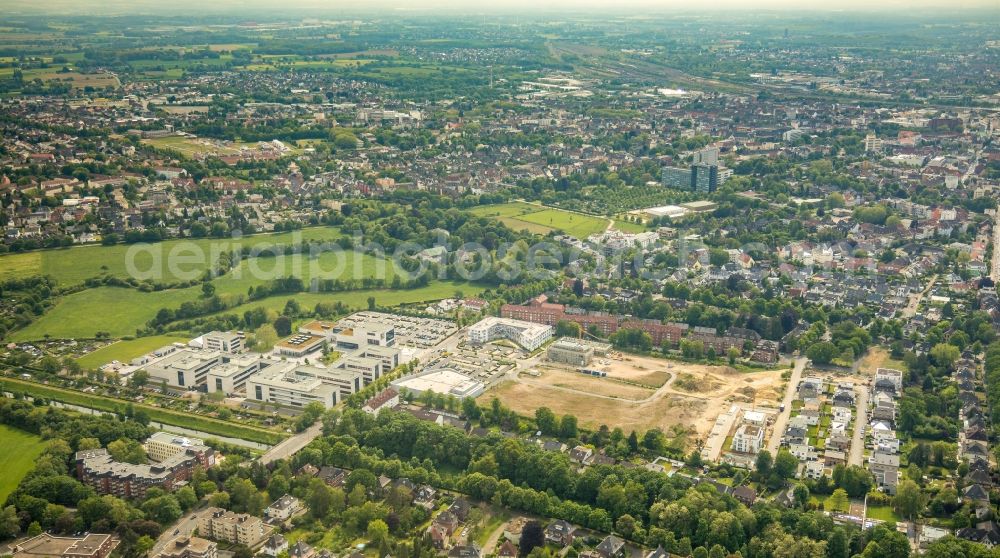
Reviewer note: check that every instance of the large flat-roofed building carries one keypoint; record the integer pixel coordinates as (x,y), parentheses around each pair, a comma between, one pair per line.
(352,337)
(223,341)
(183,368)
(189,547)
(441,380)
(98,469)
(45,545)
(389,356)
(231,376)
(570,351)
(231,527)
(300,345)
(164,445)
(297,385)
(369,368)
(528,335)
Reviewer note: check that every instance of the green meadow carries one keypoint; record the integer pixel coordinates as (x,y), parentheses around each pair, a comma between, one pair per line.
(120,312)
(18,458)
(126,350)
(74,265)
(543,220)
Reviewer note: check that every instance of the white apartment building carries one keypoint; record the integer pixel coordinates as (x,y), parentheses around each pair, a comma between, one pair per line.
(163,445)
(236,528)
(748,439)
(528,335)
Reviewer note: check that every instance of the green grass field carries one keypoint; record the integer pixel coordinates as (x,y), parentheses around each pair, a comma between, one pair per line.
(120,312)
(18,458)
(124,351)
(165,416)
(542,220)
(114,310)
(73,265)
(358,300)
(884,513)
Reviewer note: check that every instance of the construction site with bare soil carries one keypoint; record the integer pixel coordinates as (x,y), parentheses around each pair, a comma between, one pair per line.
(638,392)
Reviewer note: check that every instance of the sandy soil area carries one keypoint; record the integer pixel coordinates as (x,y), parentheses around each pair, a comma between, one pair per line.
(616,401)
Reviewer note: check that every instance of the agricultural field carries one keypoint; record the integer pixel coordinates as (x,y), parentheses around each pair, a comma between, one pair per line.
(74,265)
(18,458)
(126,350)
(97,80)
(543,220)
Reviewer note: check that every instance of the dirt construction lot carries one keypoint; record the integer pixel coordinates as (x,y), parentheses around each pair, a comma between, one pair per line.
(623,398)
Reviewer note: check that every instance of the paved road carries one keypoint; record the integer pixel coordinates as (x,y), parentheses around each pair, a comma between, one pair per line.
(184,527)
(995,263)
(914,302)
(782,421)
(857,454)
(290,446)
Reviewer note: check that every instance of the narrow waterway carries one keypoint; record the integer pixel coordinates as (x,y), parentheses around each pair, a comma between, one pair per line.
(165,427)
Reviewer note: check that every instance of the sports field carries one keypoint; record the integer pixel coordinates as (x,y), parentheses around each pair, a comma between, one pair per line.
(542,220)
(20,449)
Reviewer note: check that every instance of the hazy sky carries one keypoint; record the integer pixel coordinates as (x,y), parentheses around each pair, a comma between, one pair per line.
(111,7)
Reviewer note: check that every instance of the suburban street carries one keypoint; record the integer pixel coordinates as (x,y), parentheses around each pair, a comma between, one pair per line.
(857,455)
(995,262)
(782,421)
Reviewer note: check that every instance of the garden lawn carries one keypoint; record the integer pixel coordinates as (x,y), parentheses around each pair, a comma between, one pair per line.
(884,513)
(124,351)
(18,458)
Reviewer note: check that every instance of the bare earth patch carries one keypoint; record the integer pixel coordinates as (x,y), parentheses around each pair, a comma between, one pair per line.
(616,401)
